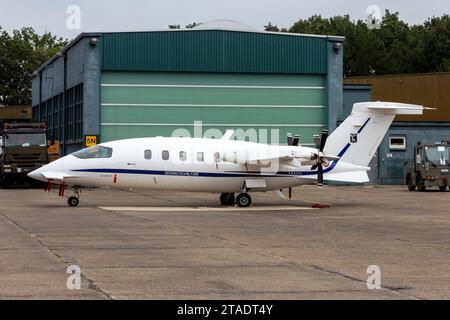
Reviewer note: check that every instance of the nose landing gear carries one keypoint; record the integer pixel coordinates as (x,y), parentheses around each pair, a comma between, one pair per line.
(73,201)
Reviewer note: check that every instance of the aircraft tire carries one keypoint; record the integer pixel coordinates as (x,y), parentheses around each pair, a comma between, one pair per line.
(244,200)
(227,199)
(73,201)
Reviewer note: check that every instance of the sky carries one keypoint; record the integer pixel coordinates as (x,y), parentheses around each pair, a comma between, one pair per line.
(132,15)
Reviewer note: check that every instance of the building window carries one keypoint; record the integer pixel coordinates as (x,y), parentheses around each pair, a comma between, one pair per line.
(165,155)
(148,154)
(397,143)
(183,155)
(200,156)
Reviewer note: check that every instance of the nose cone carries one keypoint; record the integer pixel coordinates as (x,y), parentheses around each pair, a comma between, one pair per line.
(37,174)
(55,167)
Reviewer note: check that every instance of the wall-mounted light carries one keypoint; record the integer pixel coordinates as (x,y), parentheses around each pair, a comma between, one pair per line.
(337,46)
(93,42)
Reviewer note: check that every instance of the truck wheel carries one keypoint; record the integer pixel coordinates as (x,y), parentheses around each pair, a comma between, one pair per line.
(411,187)
(4,183)
(420,184)
(442,188)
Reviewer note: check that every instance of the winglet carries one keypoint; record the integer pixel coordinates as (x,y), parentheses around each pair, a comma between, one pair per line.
(228,134)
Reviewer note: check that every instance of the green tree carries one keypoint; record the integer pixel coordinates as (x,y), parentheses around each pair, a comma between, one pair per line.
(394,48)
(21,53)
(271,28)
(189,26)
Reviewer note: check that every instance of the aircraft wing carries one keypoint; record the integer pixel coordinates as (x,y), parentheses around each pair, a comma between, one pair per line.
(262,160)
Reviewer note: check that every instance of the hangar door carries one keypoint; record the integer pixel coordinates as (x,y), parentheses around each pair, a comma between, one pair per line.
(146,104)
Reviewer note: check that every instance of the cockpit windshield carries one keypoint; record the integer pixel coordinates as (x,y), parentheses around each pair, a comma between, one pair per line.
(95,152)
(438,155)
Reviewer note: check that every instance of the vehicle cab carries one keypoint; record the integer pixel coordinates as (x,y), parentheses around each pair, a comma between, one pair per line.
(430,168)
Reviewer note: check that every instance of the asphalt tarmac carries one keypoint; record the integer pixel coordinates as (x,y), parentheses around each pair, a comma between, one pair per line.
(169,245)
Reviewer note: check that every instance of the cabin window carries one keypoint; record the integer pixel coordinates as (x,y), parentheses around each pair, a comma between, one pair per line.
(183,155)
(397,143)
(94,152)
(200,156)
(148,154)
(165,155)
(217,157)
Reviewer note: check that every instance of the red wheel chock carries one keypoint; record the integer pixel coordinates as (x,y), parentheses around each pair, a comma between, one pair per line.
(320,206)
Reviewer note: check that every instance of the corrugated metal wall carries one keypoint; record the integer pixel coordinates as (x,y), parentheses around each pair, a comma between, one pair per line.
(431,90)
(145,104)
(213,51)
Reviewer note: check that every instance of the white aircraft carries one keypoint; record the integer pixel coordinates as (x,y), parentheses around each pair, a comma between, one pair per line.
(228,166)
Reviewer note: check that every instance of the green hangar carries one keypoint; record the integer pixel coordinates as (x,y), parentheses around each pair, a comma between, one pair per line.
(117,85)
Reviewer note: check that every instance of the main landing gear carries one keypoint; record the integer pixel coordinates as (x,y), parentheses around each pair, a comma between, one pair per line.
(243,200)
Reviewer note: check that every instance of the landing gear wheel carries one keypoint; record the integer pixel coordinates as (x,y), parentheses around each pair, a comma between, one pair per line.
(420,184)
(227,199)
(244,200)
(411,187)
(442,188)
(73,201)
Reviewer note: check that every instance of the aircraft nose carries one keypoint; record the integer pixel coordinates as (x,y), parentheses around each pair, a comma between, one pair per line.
(55,166)
(36,174)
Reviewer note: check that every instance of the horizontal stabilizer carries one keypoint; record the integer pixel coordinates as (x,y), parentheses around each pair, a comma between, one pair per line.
(389,108)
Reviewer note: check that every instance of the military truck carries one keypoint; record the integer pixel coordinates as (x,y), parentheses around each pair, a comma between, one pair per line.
(23,145)
(430,167)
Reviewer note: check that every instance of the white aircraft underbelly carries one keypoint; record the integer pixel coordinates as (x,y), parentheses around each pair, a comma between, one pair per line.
(183,182)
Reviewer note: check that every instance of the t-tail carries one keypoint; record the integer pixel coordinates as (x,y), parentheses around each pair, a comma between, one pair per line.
(357,139)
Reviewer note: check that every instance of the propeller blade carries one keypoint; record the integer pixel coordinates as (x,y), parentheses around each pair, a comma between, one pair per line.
(320,175)
(316,139)
(323,139)
(289,139)
(329,157)
(296,140)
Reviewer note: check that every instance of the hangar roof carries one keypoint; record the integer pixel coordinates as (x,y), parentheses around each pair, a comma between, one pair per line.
(210,48)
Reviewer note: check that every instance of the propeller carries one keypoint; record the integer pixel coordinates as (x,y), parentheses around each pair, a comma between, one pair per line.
(296,140)
(289,139)
(292,140)
(320,157)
